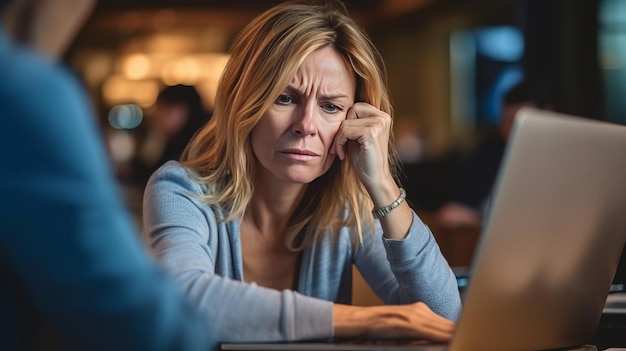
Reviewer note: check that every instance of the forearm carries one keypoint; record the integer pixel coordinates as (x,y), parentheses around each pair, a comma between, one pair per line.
(409,270)
(245,312)
(423,272)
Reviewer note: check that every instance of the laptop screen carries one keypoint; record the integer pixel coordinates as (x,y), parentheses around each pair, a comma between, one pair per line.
(619,281)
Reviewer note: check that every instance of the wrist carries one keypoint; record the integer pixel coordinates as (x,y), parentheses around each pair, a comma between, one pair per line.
(367,321)
(383,211)
(383,193)
(352,321)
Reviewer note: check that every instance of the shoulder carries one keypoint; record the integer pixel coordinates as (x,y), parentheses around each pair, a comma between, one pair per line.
(27,77)
(48,117)
(172,195)
(172,175)
(45,100)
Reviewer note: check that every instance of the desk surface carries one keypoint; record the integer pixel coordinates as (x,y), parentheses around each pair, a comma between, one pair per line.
(414,346)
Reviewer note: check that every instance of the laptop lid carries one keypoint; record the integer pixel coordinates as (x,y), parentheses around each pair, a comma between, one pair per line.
(552,241)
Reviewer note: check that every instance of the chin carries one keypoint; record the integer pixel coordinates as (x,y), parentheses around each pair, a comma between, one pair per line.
(301,174)
(302,177)
(300,180)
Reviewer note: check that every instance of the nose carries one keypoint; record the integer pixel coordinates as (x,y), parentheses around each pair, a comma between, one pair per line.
(305,122)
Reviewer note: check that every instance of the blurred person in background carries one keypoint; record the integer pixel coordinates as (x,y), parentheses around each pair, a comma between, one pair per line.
(74,272)
(478,170)
(176,115)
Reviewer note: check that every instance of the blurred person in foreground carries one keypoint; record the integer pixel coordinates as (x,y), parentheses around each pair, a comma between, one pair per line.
(291,183)
(74,272)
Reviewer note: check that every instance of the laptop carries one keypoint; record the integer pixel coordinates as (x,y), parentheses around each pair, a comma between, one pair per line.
(550,245)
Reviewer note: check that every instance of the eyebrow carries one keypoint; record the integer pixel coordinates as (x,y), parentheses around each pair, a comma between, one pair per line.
(293,90)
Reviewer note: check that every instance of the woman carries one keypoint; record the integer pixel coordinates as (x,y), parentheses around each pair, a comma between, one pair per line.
(272,203)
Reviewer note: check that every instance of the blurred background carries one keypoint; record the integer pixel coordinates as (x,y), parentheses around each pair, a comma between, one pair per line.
(449,63)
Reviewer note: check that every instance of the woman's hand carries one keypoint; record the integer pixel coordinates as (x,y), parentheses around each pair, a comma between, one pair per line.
(413,321)
(364,139)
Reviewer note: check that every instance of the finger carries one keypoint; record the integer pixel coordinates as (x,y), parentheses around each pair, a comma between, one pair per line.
(440,329)
(434,326)
(420,328)
(439,335)
(338,144)
(430,330)
(360,119)
(340,140)
(362,110)
(347,132)
(352,114)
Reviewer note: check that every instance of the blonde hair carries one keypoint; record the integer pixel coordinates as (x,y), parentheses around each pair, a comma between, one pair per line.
(264,58)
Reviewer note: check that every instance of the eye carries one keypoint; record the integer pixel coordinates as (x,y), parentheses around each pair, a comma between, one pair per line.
(331,108)
(284,99)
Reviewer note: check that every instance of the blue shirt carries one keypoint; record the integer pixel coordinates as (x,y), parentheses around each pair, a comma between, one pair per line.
(205,255)
(73,271)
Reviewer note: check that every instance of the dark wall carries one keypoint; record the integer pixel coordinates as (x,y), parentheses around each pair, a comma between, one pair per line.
(561,52)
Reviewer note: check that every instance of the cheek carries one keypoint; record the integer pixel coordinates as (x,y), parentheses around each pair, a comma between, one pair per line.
(329,131)
(328,162)
(264,135)
(271,125)
(258,141)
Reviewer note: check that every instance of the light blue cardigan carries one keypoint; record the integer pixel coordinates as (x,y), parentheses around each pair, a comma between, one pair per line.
(206,258)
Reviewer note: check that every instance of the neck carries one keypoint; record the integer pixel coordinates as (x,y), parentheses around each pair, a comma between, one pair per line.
(271,207)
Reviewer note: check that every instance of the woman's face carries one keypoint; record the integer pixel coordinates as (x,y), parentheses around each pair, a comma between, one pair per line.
(292,139)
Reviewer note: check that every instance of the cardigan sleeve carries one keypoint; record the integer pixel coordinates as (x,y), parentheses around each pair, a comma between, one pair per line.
(179,228)
(409,270)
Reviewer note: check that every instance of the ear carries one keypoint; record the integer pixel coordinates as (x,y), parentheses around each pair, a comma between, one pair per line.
(56,23)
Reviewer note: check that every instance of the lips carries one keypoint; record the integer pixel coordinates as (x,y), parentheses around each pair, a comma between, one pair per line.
(300,152)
